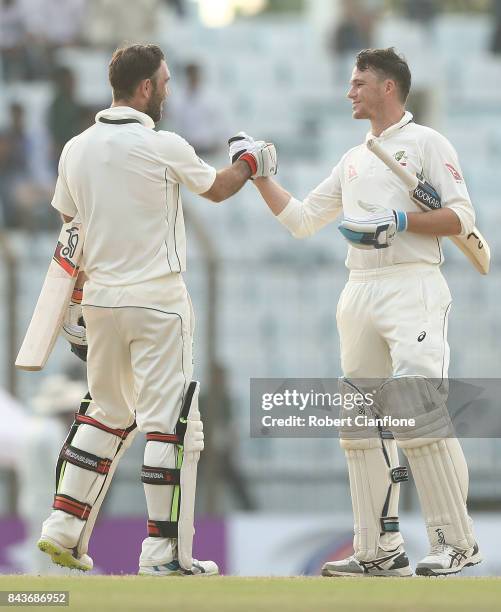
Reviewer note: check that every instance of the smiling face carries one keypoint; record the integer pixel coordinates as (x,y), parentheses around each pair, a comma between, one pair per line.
(368,93)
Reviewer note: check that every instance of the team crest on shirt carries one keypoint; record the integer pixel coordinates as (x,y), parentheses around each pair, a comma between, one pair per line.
(457,177)
(352,173)
(401,157)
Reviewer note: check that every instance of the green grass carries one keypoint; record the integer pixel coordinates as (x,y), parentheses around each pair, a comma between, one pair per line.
(225,594)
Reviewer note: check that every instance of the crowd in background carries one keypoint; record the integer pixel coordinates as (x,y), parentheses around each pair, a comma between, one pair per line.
(32,33)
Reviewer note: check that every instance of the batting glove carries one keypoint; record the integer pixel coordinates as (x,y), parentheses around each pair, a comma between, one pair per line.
(261,156)
(73,328)
(377,230)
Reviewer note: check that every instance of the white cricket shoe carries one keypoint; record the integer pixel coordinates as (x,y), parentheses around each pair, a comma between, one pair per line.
(388,563)
(198,568)
(66,557)
(444,560)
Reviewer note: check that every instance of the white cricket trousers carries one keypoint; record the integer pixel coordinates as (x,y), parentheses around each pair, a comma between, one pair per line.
(139,366)
(140,363)
(393,322)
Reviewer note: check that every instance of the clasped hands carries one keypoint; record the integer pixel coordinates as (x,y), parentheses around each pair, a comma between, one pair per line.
(261,156)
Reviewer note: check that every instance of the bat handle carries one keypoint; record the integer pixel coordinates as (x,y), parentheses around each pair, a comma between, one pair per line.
(410,180)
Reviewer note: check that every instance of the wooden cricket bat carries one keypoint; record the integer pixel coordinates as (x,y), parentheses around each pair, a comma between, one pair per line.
(474,246)
(53,300)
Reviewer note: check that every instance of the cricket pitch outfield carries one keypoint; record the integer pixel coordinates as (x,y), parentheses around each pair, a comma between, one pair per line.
(225,594)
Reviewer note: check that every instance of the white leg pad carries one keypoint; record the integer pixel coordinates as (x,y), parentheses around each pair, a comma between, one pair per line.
(170,478)
(159,550)
(374,495)
(193,446)
(441,475)
(83,542)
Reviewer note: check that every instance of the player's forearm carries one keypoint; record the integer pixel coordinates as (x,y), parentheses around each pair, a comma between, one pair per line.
(229,181)
(81,280)
(442,222)
(273,194)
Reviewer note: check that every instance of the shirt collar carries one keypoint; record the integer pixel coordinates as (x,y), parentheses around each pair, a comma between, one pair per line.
(126,112)
(407,118)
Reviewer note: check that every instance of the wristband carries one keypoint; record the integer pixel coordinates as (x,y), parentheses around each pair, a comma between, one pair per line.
(401,220)
(251,160)
(77,295)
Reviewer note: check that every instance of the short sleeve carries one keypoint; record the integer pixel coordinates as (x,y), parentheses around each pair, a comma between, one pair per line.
(62,200)
(184,166)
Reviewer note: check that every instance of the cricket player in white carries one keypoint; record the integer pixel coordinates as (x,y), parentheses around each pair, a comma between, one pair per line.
(392,320)
(123,180)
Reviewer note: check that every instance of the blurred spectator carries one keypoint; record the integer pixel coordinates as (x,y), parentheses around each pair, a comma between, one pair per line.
(197,114)
(109,24)
(13,165)
(30,32)
(13,51)
(220,467)
(354,30)
(178,5)
(423,11)
(496,37)
(30,443)
(24,184)
(53,22)
(64,113)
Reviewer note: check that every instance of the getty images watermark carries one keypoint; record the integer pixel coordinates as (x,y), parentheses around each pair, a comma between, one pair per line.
(305,402)
(309,408)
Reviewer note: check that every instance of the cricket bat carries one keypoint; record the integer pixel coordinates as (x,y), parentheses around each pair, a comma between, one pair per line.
(53,300)
(473,246)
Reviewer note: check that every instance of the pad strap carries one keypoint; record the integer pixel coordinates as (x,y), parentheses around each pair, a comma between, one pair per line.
(85,460)
(389,524)
(178,436)
(160,476)
(87,420)
(72,506)
(162,529)
(160,437)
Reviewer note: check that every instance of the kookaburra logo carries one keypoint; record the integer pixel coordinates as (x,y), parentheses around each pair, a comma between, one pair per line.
(70,248)
(440,536)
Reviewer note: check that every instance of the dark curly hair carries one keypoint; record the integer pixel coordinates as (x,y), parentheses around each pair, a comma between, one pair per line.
(389,65)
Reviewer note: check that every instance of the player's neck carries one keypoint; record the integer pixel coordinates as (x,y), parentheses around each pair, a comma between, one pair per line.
(130,103)
(384,121)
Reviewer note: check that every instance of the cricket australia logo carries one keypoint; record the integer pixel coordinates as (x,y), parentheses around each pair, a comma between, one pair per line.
(71,247)
(401,157)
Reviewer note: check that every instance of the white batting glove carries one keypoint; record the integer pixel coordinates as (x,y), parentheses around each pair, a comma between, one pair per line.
(73,328)
(377,230)
(261,156)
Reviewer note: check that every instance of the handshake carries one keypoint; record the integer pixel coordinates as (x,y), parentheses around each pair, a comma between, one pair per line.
(261,156)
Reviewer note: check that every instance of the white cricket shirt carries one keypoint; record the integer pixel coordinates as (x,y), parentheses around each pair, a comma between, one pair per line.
(360,175)
(123,179)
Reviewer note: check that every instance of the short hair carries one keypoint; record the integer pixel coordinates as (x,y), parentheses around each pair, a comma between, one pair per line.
(130,65)
(389,64)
